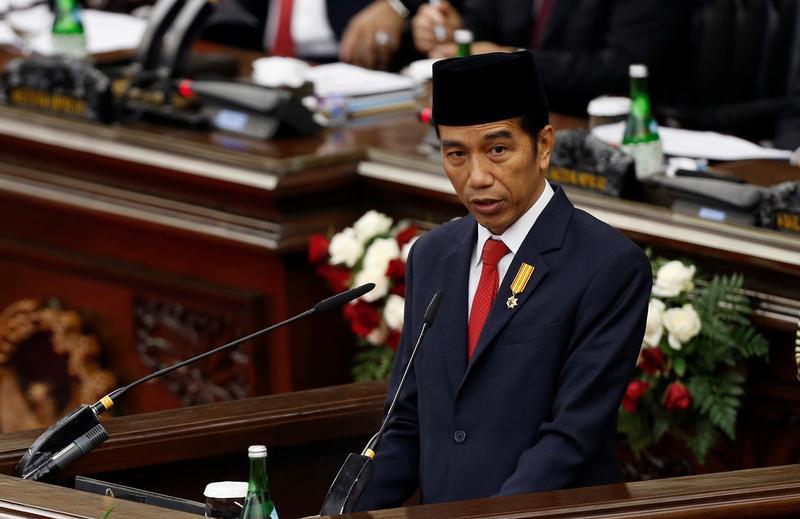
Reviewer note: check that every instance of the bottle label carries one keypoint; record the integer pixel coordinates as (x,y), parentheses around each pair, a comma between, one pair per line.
(648,156)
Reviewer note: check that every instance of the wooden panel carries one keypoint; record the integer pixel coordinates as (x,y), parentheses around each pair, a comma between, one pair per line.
(28,499)
(308,435)
(178,451)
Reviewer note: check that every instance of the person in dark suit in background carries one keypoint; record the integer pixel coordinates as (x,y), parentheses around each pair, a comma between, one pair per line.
(517,385)
(582,47)
(369,33)
(310,29)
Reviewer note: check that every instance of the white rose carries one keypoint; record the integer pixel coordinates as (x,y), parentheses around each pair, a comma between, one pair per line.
(682,324)
(377,337)
(672,279)
(655,325)
(407,249)
(372,224)
(393,312)
(373,276)
(380,253)
(345,248)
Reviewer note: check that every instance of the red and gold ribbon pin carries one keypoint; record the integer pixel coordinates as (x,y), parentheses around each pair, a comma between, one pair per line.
(518,285)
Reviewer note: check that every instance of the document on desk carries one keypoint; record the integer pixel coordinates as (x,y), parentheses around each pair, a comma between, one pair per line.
(342,79)
(105,32)
(701,145)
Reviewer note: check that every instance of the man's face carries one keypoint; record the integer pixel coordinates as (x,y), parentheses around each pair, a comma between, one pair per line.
(495,169)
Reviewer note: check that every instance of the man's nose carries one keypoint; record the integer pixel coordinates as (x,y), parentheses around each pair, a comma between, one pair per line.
(480,175)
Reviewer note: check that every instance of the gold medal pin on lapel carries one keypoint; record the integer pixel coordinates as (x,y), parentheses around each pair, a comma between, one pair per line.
(520,281)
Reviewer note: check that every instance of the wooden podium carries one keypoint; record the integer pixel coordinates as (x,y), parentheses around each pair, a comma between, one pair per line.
(309,434)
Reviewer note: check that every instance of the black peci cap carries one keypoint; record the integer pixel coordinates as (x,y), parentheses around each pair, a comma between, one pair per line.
(486,88)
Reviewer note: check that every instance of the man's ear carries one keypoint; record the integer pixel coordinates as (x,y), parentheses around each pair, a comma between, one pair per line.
(547,139)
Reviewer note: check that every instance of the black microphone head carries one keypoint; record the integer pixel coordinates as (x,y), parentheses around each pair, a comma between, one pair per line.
(433,307)
(343,297)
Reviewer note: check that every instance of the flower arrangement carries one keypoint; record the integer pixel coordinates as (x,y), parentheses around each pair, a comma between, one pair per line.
(373,250)
(688,380)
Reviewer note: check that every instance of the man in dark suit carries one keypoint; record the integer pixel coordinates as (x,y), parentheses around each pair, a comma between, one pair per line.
(517,386)
(227,25)
(582,47)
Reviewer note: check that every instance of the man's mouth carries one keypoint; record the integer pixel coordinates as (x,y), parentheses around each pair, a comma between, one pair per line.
(486,206)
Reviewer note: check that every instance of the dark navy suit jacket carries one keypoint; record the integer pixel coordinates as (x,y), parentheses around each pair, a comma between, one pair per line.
(224,27)
(536,408)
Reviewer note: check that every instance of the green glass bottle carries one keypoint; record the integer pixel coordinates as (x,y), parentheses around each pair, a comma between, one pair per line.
(258,504)
(641,139)
(68,35)
(463,39)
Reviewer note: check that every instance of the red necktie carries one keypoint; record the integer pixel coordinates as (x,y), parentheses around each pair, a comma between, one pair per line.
(540,24)
(284,46)
(493,251)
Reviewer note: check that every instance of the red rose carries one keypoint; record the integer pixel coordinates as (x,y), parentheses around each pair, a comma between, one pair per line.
(677,398)
(406,235)
(393,339)
(636,389)
(363,317)
(396,269)
(317,248)
(337,277)
(651,360)
(398,289)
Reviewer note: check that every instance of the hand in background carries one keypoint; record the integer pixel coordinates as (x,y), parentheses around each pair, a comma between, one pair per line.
(372,37)
(436,16)
(448,50)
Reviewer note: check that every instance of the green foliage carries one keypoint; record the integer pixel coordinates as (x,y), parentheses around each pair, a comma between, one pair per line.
(710,365)
(372,362)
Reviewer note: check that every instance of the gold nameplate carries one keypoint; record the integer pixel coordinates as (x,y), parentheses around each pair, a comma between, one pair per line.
(518,285)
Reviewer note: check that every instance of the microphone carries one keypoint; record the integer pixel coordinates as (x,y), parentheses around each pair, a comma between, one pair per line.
(356,470)
(81,431)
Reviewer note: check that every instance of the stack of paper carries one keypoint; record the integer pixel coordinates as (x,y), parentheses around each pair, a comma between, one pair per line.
(363,91)
(695,144)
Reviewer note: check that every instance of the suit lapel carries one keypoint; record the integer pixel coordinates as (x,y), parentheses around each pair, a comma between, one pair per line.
(546,235)
(453,308)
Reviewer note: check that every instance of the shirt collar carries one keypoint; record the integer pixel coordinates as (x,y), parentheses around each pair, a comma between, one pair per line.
(516,234)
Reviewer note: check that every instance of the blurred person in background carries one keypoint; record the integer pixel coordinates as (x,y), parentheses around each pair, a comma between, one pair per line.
(582,47)
(369,33)
(308,29)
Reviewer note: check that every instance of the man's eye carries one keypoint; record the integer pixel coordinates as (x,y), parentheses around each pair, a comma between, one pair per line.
(497,149)
(456,154)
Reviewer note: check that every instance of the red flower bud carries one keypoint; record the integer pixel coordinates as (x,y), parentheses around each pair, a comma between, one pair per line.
(651,360)
(677,398)
(398,289)
(317,248)
(393,339)
(406,235)
(396,269)
(337,277)
(363,317)
(636,389)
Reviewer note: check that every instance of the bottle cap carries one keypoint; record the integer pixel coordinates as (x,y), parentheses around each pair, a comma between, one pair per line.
(257,451)
(609,106)
(638,70)
(462,36)
(226,489)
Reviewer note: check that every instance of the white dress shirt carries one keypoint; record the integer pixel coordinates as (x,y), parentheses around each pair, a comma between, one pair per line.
(513,238)
(311,32)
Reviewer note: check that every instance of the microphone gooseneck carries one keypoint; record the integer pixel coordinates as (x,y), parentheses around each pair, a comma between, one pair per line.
(339,299)
(355,472)
(80,431)
(343,297)
(430,314)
